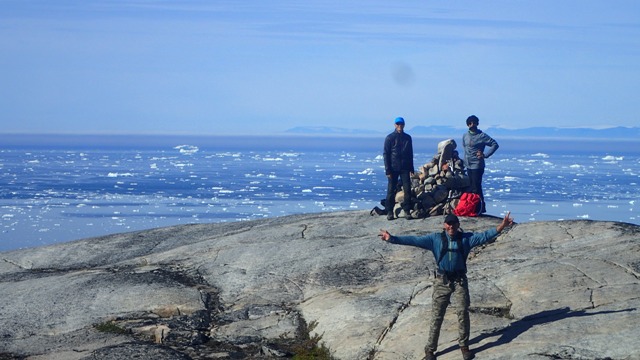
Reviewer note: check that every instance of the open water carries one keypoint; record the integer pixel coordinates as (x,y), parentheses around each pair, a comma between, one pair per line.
(61,192)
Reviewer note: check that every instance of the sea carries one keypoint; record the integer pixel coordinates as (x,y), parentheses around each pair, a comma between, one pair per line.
(56,188)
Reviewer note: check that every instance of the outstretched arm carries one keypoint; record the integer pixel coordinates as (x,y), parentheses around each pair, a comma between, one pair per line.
(506,221)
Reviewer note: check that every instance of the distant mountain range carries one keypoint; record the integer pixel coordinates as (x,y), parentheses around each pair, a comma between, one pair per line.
(620,132)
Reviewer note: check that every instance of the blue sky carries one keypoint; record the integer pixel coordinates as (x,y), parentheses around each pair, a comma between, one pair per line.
(258,67)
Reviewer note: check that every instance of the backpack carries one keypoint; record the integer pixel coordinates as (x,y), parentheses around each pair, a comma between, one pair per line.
(445,248)
(377,211)
(470,205)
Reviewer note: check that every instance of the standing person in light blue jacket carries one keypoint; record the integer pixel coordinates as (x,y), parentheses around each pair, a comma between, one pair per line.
(450,249)
(474,142)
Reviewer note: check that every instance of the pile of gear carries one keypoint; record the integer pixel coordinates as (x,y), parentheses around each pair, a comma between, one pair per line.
(436,189)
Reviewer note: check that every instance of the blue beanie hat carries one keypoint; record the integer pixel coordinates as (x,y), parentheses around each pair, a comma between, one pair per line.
(399,120)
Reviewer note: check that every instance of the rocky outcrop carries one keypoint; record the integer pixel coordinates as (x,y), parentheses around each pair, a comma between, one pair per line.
(546,290)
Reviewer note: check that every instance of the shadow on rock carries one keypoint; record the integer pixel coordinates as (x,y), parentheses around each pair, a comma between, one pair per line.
(519,327)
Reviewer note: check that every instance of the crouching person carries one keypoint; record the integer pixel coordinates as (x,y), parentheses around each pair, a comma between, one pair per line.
(450,249)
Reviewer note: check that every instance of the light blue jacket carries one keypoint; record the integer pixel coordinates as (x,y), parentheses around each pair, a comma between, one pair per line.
(453,260)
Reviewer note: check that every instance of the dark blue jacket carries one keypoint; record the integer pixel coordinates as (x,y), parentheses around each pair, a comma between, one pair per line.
(398,153)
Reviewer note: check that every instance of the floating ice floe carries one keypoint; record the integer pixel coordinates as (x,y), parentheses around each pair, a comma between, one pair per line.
(502,190)
(114,175)
(613,158)
(368,171)
(187,149)
(542,155)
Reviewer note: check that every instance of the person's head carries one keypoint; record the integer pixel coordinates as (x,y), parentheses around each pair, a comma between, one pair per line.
(399,124)
(473,121)
(451,224)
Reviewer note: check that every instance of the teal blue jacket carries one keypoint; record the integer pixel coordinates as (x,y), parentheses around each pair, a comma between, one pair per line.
(454,260)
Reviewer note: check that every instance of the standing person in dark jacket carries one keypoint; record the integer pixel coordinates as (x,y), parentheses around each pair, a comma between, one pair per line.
(450,249)
(398,162)
(474,142)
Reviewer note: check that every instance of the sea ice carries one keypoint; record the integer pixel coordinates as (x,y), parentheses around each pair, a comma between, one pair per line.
(542,155)
(187,149)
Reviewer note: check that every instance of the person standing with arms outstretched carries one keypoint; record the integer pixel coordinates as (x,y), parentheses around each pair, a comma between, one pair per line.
(474,142)
(450,248)
(398,162)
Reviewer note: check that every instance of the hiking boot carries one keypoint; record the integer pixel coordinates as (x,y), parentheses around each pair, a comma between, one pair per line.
(390,216)
(409,217)
(466,353)
(429,355)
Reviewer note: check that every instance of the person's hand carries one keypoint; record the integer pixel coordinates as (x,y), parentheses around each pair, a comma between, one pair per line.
(384,235)
(480,154)
(506,221)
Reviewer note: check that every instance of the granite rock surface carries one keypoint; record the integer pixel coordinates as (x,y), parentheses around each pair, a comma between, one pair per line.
(541,290)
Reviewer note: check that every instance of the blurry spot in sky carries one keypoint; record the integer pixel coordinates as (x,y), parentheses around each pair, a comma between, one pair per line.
(403,74)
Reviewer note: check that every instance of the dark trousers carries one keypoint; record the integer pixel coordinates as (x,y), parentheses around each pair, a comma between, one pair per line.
(475,179)
(392,187)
